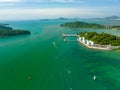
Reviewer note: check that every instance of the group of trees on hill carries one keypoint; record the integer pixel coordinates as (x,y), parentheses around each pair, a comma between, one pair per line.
(102,39)
(79,24)
(8,31)
(4,27)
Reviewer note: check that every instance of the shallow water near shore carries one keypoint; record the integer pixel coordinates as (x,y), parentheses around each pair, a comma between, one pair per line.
(43,61)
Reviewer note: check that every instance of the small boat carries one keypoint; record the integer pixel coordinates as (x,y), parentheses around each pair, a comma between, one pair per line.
(53,43)
(29,78)
(69,71)
(94,77)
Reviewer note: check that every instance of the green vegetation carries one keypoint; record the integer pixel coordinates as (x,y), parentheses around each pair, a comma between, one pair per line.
(116,27)
(79,24)
(8,31)
(4,27)
(102,39)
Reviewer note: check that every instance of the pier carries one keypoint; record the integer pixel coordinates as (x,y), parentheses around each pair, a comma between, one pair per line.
(67,39)
(69,35)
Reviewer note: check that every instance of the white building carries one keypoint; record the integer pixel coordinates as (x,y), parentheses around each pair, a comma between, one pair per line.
(80,38)
(87,42)
(83,39)
(90,43)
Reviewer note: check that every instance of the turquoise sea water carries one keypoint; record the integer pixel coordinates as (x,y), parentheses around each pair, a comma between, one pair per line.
(43,61)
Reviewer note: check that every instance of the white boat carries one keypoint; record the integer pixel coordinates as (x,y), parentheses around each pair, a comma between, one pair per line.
(53,43)
(94,77)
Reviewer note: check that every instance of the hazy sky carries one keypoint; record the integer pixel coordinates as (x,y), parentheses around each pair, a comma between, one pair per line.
(37,9)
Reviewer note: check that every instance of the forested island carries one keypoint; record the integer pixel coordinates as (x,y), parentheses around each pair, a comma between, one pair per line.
(102,39)
(80,24)
(5,30)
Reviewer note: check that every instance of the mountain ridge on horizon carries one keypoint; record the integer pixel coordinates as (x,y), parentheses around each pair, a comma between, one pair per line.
(114,17)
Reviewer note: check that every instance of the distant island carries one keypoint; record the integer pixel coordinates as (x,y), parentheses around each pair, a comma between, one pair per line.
(80,24)
(60,18)
(109,18)
(5,30)
(112,18)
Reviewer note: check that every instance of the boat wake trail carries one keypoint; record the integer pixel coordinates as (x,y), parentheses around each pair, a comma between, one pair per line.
(71,89)
(54,44)
(69,71)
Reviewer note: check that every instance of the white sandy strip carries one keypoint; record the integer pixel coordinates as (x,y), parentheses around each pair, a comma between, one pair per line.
(92,47)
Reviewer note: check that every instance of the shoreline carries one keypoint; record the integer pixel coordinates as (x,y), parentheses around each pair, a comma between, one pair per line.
(92,47)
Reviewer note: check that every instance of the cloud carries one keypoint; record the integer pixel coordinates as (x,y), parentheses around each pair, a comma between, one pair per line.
(10,1)
(30,9)
(60,1)
(25,14)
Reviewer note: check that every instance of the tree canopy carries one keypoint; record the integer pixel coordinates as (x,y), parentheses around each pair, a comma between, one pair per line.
(80,24)
(102,39)
(8,31)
